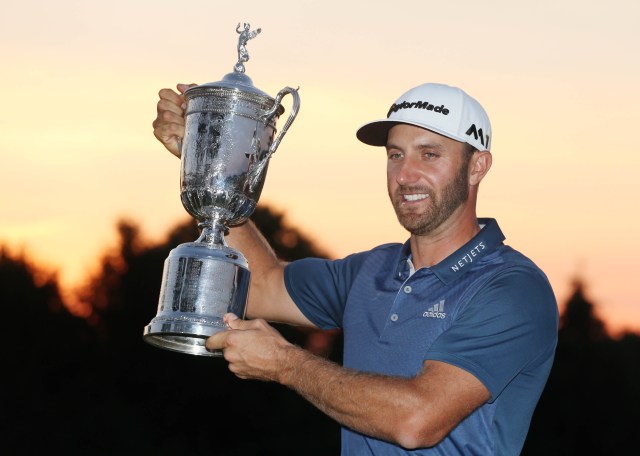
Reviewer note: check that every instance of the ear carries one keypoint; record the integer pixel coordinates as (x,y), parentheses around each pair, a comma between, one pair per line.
(479,166)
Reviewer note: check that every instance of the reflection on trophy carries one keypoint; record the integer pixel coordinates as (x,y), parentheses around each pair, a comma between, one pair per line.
(228,141)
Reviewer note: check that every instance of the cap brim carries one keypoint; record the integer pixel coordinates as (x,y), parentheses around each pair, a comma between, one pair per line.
(375,133)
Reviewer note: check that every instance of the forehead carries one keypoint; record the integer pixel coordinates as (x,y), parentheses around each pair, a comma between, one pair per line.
(404,135)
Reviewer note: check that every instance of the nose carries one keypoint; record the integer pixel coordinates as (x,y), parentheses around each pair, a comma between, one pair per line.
(407,172)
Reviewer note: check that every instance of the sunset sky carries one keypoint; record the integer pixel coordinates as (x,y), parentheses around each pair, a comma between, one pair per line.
(560,80)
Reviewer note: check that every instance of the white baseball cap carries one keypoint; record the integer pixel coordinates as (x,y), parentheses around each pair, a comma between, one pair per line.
(443,109)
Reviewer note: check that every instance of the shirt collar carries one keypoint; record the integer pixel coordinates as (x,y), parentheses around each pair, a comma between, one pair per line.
(455,265)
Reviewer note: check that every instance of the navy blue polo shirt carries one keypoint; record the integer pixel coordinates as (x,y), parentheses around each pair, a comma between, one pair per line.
(486,309)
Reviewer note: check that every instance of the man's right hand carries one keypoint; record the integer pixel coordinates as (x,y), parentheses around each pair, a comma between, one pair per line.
(168,127)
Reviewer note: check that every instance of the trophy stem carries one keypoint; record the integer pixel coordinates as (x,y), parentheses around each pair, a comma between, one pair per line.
(213,232)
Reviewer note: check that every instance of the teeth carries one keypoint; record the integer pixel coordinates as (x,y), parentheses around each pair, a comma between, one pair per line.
(416,197)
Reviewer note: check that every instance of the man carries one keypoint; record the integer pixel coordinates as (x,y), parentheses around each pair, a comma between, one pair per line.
(448,339)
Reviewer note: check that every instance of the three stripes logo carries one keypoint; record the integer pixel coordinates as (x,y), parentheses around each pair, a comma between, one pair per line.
(436,311)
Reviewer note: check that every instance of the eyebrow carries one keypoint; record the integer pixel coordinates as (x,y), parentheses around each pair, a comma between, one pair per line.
(430,146)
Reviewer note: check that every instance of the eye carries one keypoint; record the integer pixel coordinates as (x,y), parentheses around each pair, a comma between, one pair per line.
(394,155)
(430,155)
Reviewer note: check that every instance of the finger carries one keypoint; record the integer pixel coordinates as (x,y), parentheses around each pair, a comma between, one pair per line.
(170,106)
(167,118)
(217,341)
(169,135)
(168,126)
(168,132)
(171,96)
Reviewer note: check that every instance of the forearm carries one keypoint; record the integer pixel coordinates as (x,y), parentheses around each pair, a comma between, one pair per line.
(261,258)
(268,297)
(380,406)
(412,412)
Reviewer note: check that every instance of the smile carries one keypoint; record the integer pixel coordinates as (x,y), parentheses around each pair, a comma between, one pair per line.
(415,197)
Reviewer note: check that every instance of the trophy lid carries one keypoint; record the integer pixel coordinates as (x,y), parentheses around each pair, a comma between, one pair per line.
(237,79)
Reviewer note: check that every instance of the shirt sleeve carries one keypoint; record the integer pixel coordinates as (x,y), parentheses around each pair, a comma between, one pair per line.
(510,325)
(320,287)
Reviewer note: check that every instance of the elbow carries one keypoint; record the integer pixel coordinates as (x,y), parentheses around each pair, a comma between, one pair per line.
(412,441)
(418,431)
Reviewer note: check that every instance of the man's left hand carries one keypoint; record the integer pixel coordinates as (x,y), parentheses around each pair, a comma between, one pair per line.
(253,348)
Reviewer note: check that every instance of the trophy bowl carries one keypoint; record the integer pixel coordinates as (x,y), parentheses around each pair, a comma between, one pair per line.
(230,127)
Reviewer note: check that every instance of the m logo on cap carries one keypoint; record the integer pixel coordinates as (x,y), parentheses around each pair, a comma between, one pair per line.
(478,134)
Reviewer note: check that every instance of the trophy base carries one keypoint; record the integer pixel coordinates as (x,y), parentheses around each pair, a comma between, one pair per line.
(200,284)
(182,336)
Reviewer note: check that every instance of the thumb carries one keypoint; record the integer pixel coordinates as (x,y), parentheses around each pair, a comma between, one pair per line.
(217,340)
(182,88)
(233,321)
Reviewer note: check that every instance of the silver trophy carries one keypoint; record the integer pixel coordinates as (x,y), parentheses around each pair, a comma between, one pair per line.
(228,141)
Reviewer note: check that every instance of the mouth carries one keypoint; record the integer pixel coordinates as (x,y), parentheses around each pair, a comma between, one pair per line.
(415,197)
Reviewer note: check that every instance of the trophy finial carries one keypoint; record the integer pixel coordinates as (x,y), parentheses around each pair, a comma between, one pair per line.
(245,35)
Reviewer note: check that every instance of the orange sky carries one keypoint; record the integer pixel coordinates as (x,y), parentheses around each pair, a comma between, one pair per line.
(559,80)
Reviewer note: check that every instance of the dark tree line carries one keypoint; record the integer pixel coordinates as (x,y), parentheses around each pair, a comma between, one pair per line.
(591,403)
(91,385)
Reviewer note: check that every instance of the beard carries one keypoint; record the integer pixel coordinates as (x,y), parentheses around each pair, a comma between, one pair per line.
(440,207)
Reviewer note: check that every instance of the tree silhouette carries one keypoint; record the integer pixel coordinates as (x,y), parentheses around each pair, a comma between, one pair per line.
(590,403)
(169,399)
(579,325)
(92,386)
(46,358)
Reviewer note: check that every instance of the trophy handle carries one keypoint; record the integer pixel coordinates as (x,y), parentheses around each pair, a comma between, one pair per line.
(257,174)
(294,112)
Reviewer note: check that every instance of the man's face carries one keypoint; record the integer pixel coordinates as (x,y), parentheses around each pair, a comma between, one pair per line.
(427,177)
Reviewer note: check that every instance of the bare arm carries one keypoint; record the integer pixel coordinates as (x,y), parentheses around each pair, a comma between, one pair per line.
(268,296)
(411,412)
